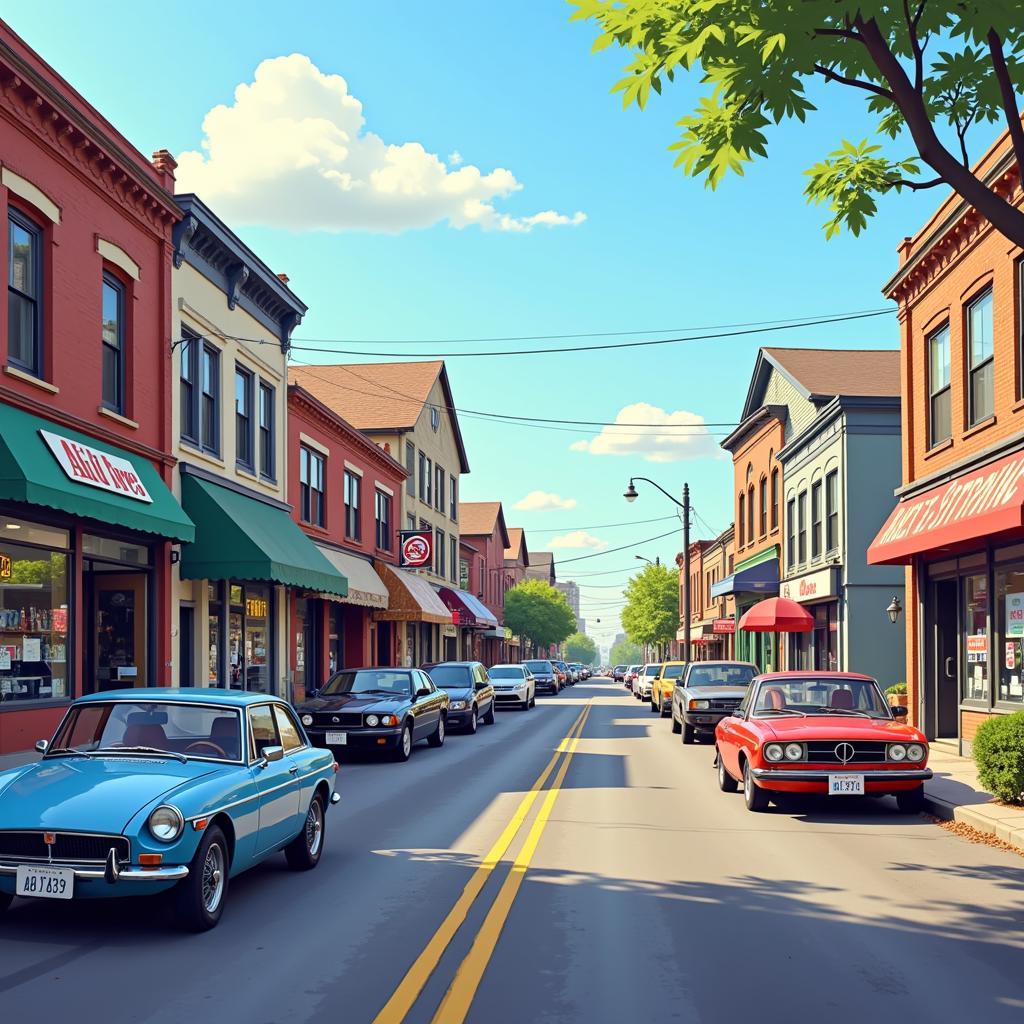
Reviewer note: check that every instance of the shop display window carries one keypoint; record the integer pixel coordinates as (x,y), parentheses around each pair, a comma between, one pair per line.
(976,637)
(249,637)
(1010,628)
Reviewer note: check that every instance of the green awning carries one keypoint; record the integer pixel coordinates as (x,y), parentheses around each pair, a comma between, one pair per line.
(243,538)
(31,473)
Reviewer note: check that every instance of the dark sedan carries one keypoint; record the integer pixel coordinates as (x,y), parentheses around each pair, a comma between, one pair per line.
(386,709)
(545,675)
(469,691)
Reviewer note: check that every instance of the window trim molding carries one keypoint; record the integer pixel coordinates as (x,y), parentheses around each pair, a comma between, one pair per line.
(38,233)
(970,370)
(122,406)
(931,395)
(263,385)
(249,376)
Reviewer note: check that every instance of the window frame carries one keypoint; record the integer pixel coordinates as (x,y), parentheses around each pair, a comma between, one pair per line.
(935,393)
(211,352)
(383,502)
(741,517)
(453,497)
(120,289)
(266,445)
(439,478)
(817,519)
(775,499)
(453,557)
(410,468)
(750,514)
(308,458)
(352,488)
(189,349)
(832,511)
(763,507)
(440,551)
(246,376)
(974,369)
(38,235)
(801,527)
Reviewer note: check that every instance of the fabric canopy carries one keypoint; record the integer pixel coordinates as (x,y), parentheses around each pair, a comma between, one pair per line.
(472,611)
(410,598)
(777,615)
(365,587)
(762,578)
(243,538)
(123,490)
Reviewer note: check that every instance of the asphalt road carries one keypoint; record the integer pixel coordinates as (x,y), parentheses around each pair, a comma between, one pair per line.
(633,891)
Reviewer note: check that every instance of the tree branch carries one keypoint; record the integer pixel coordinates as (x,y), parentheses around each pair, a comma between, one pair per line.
(915,46)
(995,47)
(840,33)
(834,76)
(917,186)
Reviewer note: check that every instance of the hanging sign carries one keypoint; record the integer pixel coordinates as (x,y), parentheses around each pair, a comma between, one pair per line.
(416,548)
(455,616)
(87,465)
(723,626)
(977,647)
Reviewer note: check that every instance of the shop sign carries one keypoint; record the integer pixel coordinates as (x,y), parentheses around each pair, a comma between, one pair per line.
(5,567)
(455,616)
(977,647)
(723,626)
(256,607)
(813,587)
(87,465)
(416,548)
(1015,614)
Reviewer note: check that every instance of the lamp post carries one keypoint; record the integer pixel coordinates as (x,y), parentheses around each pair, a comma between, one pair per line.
(631,495)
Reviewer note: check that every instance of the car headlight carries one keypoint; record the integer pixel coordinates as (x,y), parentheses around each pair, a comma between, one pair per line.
(389,720)
(372,720)
(916,752)
(701,705)
(307,719)
(794,751)
(166,823)
(774,752)
(897,752)
(458,705)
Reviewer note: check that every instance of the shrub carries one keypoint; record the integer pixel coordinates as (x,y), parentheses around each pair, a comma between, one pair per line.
(999,755)
(896,690)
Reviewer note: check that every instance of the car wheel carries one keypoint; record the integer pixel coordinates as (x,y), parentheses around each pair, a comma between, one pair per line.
(654,705)
(404,748)
(911,801)
(677,726)
(473,722)
(533,699)
(689,734)
(200,897)
(437,740)
(303,852)
(489,717)
(754,796)
(726,783)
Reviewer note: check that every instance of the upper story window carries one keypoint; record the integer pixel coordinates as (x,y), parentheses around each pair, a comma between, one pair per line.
(791,532)
(410,468)
(243,417)
(435,418)
(816,519)
(453,551)
(939,409)
(741,518)
(775,498)
(311,486)
(832,510)
(764,506)
(352,484)
(439,490)
(382,503)
(199,392)
(266,452)
(801,528)
(113,344)
(979,358)
(750,514)
(427,482)
(453,499)
(440,554)
(423,475)
(24,294)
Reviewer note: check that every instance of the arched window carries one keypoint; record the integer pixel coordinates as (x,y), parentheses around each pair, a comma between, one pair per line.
(775,498)
(763,506)
(750,513)
(741,519)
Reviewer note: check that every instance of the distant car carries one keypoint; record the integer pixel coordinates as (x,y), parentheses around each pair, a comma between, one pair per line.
(663,685)
(706,693)
(513,685)
(470,694)
(632,671)
(577,671)
(829,733)
(565,673)
(147,790)
(385,709)
(545,675)
(645,680)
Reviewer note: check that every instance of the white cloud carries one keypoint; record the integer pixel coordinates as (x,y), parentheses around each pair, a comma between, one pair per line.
(658,438)
(540,501)
(292,151)
(577,539)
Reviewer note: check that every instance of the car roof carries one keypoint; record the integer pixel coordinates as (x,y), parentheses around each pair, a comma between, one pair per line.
(465,663)
(513,664)
(664,663)
(804,673)
(733,661)
(180,695)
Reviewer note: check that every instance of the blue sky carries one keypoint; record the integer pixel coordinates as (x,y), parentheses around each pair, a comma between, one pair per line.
(515,87)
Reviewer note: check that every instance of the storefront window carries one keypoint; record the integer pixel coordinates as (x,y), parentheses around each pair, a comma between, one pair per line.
(976,642)
(249,638)
(1010,627)
(215,643)
(33,615)
(335,648)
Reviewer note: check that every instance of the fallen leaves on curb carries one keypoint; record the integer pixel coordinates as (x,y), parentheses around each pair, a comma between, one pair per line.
(974,835)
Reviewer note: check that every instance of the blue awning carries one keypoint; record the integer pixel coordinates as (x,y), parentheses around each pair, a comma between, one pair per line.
(762,578)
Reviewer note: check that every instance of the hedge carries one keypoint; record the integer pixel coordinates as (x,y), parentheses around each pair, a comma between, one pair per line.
(999,754)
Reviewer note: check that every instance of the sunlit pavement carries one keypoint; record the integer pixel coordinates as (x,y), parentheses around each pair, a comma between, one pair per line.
(642,893)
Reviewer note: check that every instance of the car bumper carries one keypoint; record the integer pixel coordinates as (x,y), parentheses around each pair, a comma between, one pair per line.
(704,721)
(815,780)
(511,696)
(547,685)
(359,739)
(460,719)
(111,873)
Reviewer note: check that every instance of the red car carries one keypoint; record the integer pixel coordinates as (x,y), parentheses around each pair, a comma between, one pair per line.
(823,733)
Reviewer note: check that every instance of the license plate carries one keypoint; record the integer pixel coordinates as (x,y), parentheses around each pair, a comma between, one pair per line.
(50,883)
(846,785)
(337,739)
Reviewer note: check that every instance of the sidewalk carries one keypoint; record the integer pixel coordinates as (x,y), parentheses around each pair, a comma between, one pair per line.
(956,795)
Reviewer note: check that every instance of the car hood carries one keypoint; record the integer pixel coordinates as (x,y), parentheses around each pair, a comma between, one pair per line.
(458,692)
(715,692)
(354,702)
(101,794)
(841,727)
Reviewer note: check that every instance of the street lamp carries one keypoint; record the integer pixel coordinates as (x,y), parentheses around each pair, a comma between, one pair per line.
(894,609)
(630,494)
(657,559)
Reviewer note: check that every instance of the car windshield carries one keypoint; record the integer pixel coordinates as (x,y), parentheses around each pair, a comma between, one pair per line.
(506,672)
(621,668)
(538,666)
(150,727)
(720,675)
(368,681)
(672,671)
(815,695)
(651,670)
(452,677)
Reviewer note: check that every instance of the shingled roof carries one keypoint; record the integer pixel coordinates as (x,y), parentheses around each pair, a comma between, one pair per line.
(479,519)
(517,546)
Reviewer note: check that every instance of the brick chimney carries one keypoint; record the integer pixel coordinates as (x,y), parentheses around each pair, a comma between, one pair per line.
(904,249)
(165,164)
(283,278)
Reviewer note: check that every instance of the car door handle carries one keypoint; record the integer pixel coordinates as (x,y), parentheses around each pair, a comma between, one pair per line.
(949,668)
(293,770)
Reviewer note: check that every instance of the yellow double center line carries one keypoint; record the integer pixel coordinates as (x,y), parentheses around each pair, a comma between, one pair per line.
(459,996)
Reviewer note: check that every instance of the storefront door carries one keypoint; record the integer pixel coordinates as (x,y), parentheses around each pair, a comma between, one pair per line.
(943,700)
(186,645)
(249,624)
(118,615)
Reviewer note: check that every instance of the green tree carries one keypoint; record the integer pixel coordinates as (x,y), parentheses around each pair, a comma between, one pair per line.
(651,614)
(538,612)
(625,652)
(581,648)
(929,69)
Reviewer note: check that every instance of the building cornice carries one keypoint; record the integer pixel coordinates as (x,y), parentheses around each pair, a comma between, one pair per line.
(759,418)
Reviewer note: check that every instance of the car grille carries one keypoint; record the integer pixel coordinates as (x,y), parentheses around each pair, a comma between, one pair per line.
(338,719)
(864,752)
(507,698)
(725,703)
(78,847)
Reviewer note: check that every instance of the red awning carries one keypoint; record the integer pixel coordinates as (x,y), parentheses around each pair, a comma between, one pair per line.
(777,615)
(971,507)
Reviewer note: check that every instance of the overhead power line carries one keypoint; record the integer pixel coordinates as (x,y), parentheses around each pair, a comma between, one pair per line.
(610,551)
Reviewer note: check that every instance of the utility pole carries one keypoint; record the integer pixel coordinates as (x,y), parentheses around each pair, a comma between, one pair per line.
(686,570)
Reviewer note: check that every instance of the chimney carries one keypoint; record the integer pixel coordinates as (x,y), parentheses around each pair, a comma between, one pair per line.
(904,249)
(283,278)
(165,164)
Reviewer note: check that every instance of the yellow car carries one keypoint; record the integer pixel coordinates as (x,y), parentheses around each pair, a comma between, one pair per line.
(663,686)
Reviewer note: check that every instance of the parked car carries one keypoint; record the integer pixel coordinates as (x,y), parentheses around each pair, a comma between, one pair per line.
(820,732)
(663,685)
(645,680)
(513,685)
(147,790)
(705,693)
(577,671)
(386,709)
(470,694)
(545,675)
(563,673)
(632,671)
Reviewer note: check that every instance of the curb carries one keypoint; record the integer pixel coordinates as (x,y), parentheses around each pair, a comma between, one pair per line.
(984,823)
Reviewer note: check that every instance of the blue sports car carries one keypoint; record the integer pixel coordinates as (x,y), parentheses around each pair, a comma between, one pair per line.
(145,790)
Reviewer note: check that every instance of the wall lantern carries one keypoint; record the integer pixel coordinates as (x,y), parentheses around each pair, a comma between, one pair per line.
(894,609)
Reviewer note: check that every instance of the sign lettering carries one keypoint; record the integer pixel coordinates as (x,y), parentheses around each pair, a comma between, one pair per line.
(87,465)
(723,626)
(256,607)
(812,587)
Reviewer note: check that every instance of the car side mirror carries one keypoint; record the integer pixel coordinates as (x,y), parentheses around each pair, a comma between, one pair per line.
(273,754)
(313,693)
(41,746)
(422,692)
(480,685)
(898,711)
(738,713)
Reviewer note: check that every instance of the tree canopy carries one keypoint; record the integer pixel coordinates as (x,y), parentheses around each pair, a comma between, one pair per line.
(579,647)
(538,612)
(625,652)
(930,70)
(651,614)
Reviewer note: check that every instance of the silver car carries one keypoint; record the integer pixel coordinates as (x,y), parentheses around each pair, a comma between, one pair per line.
(645,680)
(706,693)
(513,685)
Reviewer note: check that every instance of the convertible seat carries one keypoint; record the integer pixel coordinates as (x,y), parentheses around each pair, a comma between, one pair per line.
(224,732)
(773,699)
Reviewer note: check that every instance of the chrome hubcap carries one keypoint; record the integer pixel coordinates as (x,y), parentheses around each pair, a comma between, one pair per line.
(748,782)
(314,828)
(406,742)
(440,726)
(472,723)
(213,878)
